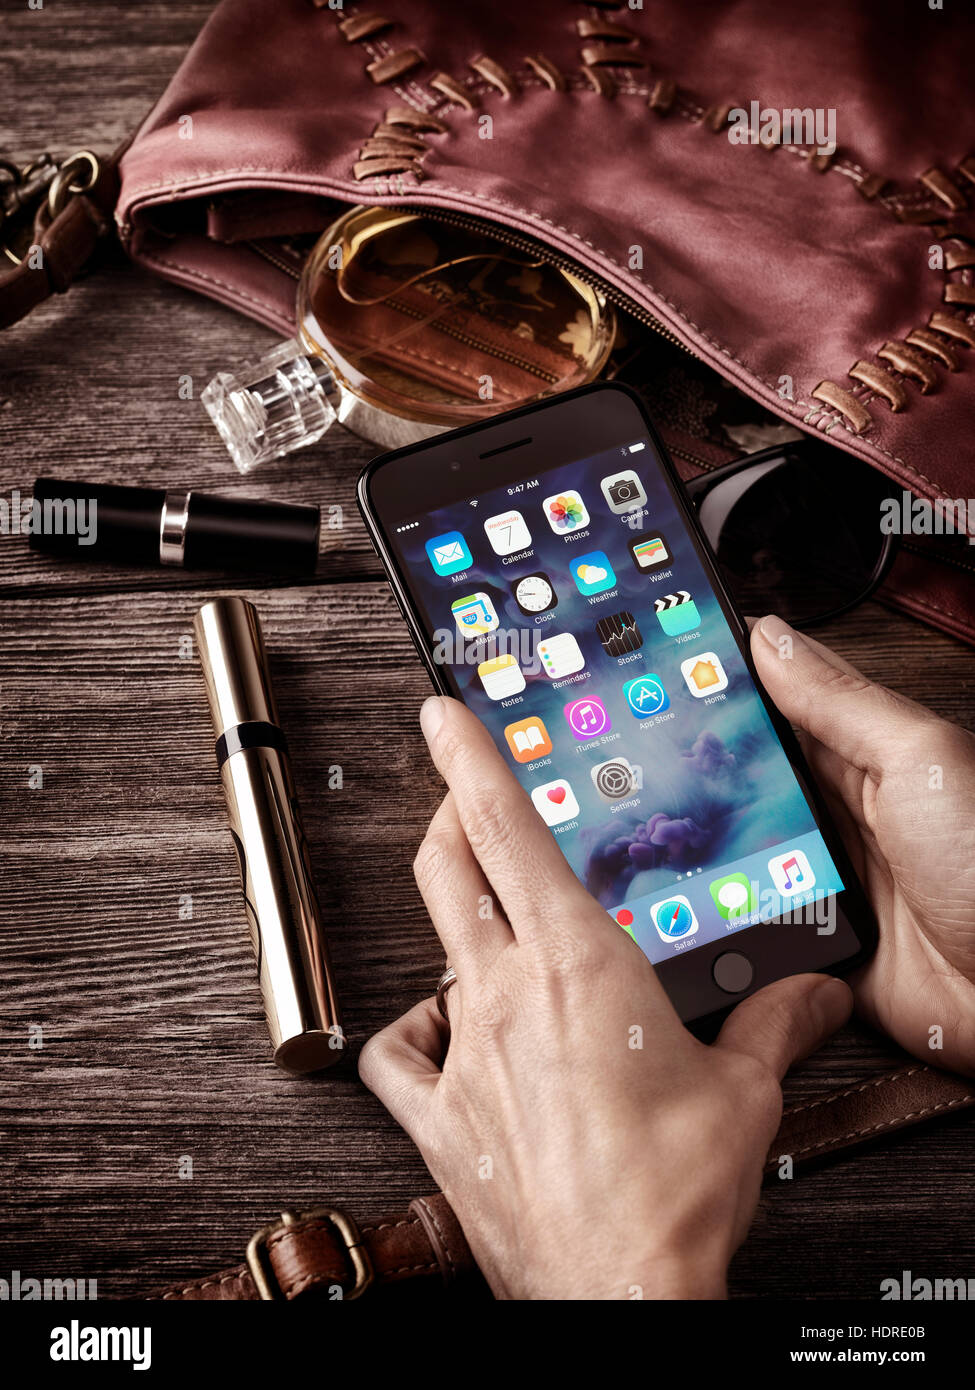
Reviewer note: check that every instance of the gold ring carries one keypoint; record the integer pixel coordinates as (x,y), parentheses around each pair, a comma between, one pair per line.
(448,978)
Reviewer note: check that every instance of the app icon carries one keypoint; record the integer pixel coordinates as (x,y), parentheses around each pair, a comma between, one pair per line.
(674,918)
(623,917)
(734,896)
(650,551)
(588,718)
(566,512)
(448,554)
(528,739)
(623,491)
(791,873)
(646,695)
(534,593)
(617,779)
(560,656)
(593,573)
(507,533)
(676,613)
(501,677)
(704,675)
(475,614)
(619,634)
(555,802)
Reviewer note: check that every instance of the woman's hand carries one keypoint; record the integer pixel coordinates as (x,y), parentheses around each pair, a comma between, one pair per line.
(901,784)
(590,1146)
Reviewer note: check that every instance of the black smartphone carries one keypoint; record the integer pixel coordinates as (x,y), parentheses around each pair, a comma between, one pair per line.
(555,579)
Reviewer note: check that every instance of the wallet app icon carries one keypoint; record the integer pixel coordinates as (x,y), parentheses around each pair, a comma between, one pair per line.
(449,554)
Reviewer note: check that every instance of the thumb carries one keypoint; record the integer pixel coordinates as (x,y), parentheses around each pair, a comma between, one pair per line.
(401,1065)
(787,1020)
(830,699)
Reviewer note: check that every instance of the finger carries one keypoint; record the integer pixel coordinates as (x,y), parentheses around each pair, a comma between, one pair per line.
(401,1064)
(787,1020)
(508,837)
(458,897)
(820,692)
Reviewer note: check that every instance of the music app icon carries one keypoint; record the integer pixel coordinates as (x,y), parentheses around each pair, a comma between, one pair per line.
(791,873)
(588,718)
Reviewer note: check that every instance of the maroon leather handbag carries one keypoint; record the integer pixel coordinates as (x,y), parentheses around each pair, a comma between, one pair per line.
(833,285)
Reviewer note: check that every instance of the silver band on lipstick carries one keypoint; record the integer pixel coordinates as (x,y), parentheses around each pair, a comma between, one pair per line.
(172,527)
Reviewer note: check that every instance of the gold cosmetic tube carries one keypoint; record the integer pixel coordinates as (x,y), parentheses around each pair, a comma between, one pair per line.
(279,895)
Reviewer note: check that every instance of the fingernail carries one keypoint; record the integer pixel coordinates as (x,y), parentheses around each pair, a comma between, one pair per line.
(431,717)
(773,629)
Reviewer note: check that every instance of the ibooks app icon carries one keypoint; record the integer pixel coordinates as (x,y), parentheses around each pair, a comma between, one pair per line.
(528,740)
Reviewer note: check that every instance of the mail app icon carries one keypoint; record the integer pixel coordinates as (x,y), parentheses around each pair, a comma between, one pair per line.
(448,554)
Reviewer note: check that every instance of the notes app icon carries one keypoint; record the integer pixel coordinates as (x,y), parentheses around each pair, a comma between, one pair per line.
(528,739)
(791,873)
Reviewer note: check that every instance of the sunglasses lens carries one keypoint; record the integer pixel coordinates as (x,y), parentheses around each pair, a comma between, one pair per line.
(798,534)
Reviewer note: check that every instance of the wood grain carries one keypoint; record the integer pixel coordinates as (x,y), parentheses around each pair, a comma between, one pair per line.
(154,1041)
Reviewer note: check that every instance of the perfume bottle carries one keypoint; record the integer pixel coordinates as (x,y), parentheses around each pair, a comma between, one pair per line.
(409,325)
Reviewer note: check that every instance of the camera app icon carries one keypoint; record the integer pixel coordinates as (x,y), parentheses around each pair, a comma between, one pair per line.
(623,492)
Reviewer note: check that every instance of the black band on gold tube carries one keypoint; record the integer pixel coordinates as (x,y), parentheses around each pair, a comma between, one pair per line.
(256,734)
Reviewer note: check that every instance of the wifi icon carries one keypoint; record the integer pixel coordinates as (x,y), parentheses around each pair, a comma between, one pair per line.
(474,503)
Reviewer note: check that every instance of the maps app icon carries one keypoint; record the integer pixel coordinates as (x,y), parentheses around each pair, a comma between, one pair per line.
(474,614)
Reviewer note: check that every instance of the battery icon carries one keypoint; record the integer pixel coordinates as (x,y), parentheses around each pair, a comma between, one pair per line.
(635,448)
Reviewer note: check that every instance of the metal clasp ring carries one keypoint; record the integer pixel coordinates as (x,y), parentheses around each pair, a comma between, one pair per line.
(259,1260)
(62,186)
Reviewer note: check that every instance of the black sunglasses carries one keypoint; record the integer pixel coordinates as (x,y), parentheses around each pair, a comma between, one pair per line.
(796,530)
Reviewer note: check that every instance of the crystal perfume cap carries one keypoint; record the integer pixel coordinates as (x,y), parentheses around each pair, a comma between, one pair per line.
(270,407)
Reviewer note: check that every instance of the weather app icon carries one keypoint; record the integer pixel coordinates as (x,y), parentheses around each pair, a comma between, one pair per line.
(593,573)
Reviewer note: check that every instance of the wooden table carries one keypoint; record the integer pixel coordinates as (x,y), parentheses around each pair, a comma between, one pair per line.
(154,1044)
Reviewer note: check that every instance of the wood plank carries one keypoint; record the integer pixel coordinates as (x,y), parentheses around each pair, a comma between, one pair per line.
(74,405)
(155,1041)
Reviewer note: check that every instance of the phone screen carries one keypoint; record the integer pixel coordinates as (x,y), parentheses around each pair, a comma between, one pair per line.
(571,609)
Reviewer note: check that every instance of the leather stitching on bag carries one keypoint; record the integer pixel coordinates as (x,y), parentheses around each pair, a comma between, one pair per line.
(906,357)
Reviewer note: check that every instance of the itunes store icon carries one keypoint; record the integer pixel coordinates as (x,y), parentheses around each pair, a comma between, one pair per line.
(588,717)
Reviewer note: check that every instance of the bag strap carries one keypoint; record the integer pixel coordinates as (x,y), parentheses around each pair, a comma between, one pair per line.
(75,214)
(324,1252)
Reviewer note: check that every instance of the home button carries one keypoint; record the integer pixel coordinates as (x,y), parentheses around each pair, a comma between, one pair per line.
(733,972)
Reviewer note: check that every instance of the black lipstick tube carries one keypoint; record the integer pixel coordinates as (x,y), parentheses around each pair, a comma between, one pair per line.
(150,526)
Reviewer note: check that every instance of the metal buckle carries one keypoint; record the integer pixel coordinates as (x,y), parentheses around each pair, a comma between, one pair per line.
(259,1260)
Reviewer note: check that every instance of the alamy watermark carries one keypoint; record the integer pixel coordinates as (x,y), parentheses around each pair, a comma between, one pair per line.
(908,515)
(761,125)
(55,516)
(24,1289)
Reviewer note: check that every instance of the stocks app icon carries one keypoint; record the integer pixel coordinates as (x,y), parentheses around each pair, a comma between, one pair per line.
(619,634)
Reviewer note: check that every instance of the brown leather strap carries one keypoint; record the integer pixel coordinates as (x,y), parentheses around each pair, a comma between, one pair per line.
(865,1111)
(310,1257)
(67,244)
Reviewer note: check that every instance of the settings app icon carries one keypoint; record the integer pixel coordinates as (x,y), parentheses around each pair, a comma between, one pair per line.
(617,779)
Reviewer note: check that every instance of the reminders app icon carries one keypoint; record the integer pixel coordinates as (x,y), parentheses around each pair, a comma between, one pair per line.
(448,554)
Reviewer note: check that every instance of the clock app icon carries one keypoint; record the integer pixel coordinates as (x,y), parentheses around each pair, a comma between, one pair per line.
(534,594)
